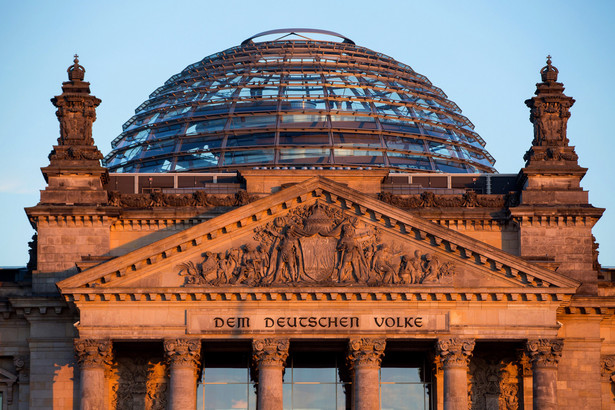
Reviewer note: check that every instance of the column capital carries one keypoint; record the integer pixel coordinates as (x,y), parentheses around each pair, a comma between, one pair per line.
(607,368)
(270,351)
(544,352)
(455,352)
(93,352)
(365,352)
(183,352)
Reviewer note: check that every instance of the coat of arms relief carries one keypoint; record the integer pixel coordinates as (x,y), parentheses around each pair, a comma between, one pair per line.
(318,245)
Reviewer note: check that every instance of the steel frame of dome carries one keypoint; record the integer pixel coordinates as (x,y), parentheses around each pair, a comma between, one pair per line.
(298,103)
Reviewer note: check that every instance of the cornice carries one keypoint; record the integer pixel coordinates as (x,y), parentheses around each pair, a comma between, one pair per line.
(445,241)
(557,296)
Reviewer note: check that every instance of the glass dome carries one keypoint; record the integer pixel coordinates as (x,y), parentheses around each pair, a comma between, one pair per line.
(296,102)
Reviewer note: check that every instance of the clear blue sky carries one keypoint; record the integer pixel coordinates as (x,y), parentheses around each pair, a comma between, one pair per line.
(486,55)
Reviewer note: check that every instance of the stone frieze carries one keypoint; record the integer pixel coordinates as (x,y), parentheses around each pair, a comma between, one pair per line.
(317,245)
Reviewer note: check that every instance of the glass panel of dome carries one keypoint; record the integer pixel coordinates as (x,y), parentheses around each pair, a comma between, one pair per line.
(256,106)
(206,126)
(248,157)
(296,138)
(404,160)
(354,122)
(405,144)
(306,155)
(245,140)
(448,166)
(201,143)
(165,132)
(392,124)
(196,160)
(350,105)
(158,148)
(356,140)
(348,156)
(257,121)
(303,120)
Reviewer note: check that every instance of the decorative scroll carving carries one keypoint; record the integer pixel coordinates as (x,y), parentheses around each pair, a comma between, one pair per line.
(270,352)
(607,368)
(93,352)
(545,352)
(468,200)
(317,245)
(161,200)
(139,382)
(455,351)
(22,367)
(494,384)
(365,352)
(183,352)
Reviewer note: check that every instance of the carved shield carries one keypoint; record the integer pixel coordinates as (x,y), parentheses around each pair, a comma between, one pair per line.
(318,256)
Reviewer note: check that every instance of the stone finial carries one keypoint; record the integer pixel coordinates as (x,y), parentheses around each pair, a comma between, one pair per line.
(365,352)
(549,73)
(544,352)
(455,352)
(549,112)
(93,352)
(183,352)
(76,72)
(270,351)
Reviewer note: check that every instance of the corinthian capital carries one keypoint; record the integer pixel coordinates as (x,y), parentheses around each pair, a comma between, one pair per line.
(93,352)
(455,351)
(183,352)
(270,351)
(545,352)
(365,351)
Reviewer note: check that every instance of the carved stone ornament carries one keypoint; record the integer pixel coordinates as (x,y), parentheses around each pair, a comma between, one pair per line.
(607,368)
(493,383)
(470,199)
(545,352)
(270,351)
(183,352)
(317,245)
(93,352)
(139,382)
(365,352)
(455,351)
(162,200)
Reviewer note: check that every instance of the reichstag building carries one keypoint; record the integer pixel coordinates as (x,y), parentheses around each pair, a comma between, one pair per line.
(307,224)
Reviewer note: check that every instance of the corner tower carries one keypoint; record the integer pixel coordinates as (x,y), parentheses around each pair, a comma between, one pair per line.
(554,216)
(71,218)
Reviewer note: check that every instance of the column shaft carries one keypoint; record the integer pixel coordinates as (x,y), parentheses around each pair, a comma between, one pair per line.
(364,358)
(184,359)
(94,356)
(455,355)
(544,355)
(269,356)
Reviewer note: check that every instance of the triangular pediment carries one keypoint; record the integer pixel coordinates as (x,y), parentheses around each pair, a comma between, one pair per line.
(318,234)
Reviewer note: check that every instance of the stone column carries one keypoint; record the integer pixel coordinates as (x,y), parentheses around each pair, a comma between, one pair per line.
(93,356)
(544,355)
(184,358)
(455,355)
(364,358)
(607,371)
(269,356)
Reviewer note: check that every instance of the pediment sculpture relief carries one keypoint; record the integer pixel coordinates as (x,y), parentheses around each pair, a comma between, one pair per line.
(321,246)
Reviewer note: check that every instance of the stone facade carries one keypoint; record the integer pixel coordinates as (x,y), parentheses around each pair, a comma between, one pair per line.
(500,293)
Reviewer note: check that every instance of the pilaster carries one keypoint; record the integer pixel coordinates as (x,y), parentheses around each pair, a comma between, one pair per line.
(607,374)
